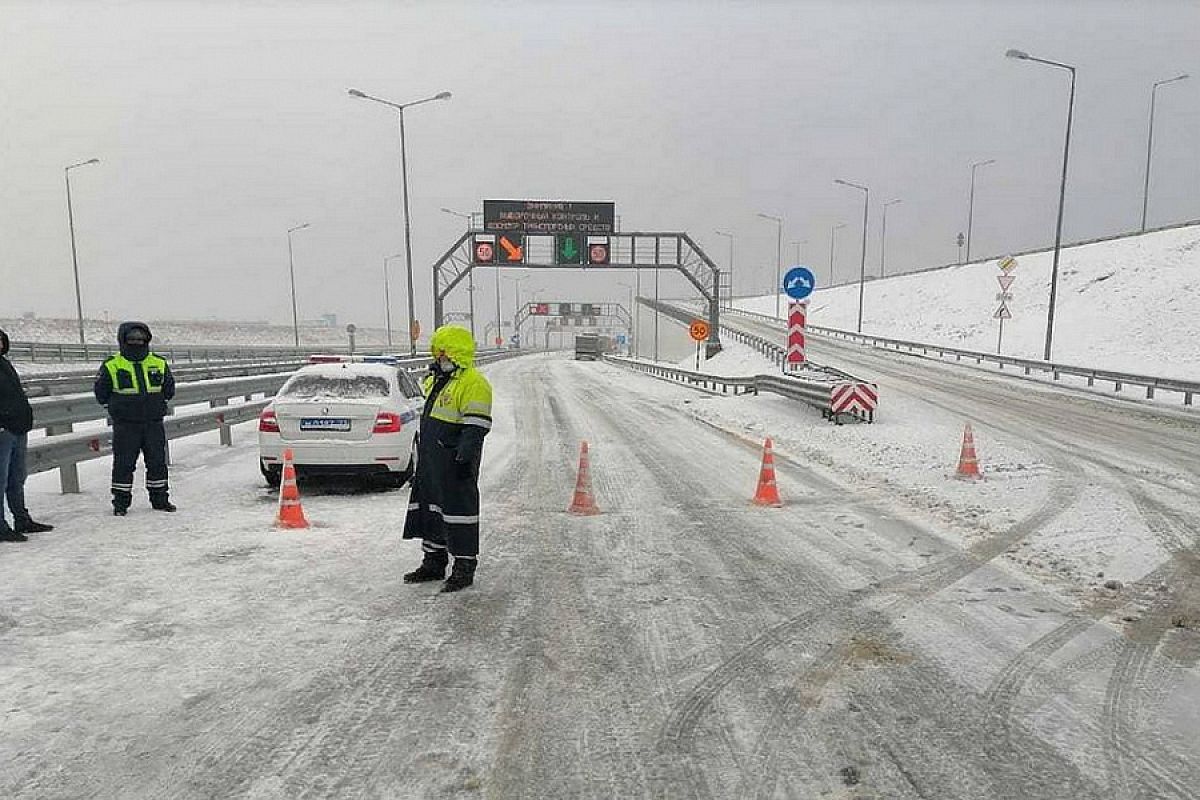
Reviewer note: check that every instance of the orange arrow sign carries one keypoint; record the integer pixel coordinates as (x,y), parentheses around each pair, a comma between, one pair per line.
(514,252)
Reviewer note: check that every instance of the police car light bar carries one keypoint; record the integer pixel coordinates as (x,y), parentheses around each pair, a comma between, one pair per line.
(324,358)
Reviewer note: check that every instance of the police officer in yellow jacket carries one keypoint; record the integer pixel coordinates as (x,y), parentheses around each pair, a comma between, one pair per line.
(135,386)
(443,509)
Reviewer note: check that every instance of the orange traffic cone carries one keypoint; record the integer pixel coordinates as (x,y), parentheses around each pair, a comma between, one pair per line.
(767,493)
(968,463)
(584,503)
(291,513)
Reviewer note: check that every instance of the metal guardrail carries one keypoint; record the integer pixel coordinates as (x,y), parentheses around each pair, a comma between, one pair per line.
(62,410)
(1119,379)
(66,451)
(63,448)
(63,352)
(811,392)
(79,381)
(765,347)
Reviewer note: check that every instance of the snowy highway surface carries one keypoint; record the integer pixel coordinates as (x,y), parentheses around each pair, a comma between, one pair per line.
(889,633)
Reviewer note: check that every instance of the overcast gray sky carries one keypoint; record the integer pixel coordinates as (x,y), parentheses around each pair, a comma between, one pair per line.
(221,124)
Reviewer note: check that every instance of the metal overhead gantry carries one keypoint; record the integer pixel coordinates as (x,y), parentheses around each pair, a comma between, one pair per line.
(493,247)
(587,313)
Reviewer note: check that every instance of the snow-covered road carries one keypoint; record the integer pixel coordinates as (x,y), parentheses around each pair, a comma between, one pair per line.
(867,640)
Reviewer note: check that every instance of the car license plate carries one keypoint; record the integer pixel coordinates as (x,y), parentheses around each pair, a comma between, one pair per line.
(324,424)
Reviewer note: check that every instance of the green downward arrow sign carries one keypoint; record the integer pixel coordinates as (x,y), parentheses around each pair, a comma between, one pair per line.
(569,250)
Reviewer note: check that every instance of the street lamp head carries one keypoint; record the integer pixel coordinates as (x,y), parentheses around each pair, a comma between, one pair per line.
(97,161)
(893,201)
(355,93)
(442,96)
(1021,54)
(851,185)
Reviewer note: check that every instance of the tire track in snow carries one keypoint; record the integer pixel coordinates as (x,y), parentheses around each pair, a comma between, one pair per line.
(899,594)
(1172,535)
(678,735)
(1132,766)
(927,582)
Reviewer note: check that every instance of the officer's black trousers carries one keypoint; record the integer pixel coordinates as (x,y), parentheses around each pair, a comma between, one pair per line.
(130,439)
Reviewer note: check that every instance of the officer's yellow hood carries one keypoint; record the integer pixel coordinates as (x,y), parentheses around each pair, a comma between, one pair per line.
(457,342)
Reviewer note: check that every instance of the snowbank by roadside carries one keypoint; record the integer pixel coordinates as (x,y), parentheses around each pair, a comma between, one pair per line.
(734,361)
(1128,305)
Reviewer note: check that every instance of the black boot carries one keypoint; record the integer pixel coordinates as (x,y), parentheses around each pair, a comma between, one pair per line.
(433,568)
(25,524)
(163,505)
(461,576)
(7,534)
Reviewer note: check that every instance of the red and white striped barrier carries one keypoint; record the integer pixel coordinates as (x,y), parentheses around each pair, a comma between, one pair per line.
(797,319)
(847,398)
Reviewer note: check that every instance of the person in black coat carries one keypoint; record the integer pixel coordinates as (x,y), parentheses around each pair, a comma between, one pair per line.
(135,386)
(16,420)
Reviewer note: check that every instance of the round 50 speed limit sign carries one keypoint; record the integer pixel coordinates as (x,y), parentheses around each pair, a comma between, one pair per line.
(698,330)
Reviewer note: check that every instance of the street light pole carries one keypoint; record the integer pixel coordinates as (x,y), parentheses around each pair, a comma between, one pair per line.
(1062,192)
(729,236)
(800,250)
(292,276)
(832,241)
(412,318)
(387,296)
(74,253)
(516,282)
(883,234)
(631,302)
(971,203)
(1150,143)
(499,326)
(470,273)
(862,270)
(778,257)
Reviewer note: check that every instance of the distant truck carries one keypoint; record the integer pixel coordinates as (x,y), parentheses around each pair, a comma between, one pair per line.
(587,346)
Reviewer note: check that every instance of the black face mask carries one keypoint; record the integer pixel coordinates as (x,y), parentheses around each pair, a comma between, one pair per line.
(135,351)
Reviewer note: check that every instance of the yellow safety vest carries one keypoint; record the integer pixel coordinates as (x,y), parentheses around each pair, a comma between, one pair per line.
(154,368)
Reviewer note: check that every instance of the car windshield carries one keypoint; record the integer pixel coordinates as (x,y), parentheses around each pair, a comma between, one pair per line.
(335,387)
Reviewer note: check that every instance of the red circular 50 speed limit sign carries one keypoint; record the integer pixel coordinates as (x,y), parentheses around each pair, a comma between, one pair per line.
(698,330)
(485,252)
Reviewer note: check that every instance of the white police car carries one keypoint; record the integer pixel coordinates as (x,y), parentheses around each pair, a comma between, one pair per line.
(343,416)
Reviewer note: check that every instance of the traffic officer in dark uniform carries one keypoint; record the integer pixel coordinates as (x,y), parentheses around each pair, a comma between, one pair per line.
(135,386)
(16,420)
(443,509)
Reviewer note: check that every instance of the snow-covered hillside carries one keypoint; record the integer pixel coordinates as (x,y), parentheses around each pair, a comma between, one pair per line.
(1132,305)
(205,332)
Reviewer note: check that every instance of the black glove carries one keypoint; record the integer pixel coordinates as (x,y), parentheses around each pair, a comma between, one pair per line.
(464,469)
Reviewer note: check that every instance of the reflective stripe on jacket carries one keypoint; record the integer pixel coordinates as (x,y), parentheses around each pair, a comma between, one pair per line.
(135,391)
